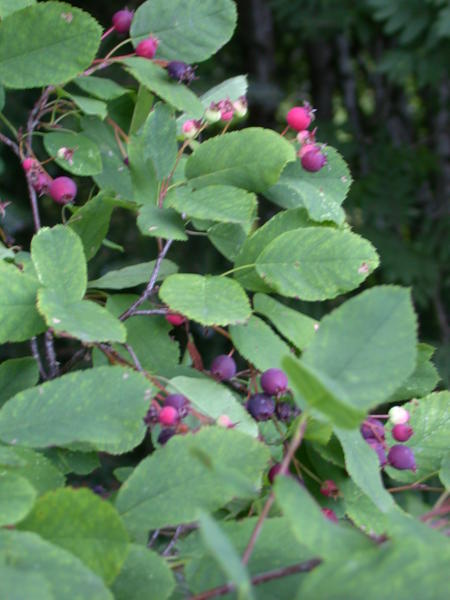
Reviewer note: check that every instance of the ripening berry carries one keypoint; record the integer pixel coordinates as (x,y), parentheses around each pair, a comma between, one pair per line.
(165,435)
(379,449)
(402,458)
(225,421)
(28,163)
(180,71)
(168,416)
(179,402)
(313,160)
(306,148)
(402,432)
(63,190)
(121,20)
(330,514)
(213,113)
(372,428)
(273,472)
(329,489)
(299,117)
(223,367)
(147,48)
(175,319)
(40,181)
(398,415)
(240,107)
(261,406)
(190,129)
(274,381)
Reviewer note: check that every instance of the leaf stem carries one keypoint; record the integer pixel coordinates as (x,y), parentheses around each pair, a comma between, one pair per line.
(250,266)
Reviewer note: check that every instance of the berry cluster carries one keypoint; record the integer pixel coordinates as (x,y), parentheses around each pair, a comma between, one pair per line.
(262,406)
(61,189)
(175,408)
(311,155)
(223,111)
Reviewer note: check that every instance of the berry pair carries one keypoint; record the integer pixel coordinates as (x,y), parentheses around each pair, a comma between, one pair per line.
(311,156)
(61,189)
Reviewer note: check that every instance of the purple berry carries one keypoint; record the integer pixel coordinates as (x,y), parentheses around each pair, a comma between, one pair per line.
(372,429)
(274,472)
(284,411)
(165,435)
(122,20)
(223,367)
(261,407)
(63,190)
(180,71)
(402,458)
(274,381)
(313,160)
(179,402)
(402,433)
(379,449)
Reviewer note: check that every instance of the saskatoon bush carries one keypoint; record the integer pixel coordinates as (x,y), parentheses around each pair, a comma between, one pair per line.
(127,469)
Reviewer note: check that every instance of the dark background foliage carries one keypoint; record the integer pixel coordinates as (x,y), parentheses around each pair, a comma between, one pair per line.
(376,71)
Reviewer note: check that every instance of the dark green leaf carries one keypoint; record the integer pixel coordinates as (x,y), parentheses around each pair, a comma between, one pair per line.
(17,374)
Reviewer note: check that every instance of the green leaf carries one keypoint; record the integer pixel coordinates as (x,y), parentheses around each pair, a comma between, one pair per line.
(320,193)
(17,497)
(90,106)
(60,263)
(232,88)
(223,203)
(214,399)
(159,136)
(430,421)
(83,524)
(362,511)
(133,275)
(161,222)
(33,466)
(85,160)
(17,374)
(227,238)
(157,80)
(63,574)
(316,263)
(225,555)
(251,159)
(186,31)
(68,461)
(208,300)
(100,87)
(296,327)
(4,251)
(19,318)
(143,172)
(144,575)
(423,380)
(444,473)
(101,407)
(150,500)
(46,44)
(7,7)
(15,584)
(142,108)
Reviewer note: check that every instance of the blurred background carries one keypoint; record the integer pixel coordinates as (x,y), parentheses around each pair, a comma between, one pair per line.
(377,73)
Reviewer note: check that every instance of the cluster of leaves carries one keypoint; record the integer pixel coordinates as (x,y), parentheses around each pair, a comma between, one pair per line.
(173,520)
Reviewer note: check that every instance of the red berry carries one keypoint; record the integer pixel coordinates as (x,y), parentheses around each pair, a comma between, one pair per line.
(147,48)
(402,458)
(28,163)
(313,160)
(274,472)
(402,433)
(175,319)
(168,416)
(63,190)
(329,488)
(330,514)
(274,381)
(299,118)
(122,20)
(223,367)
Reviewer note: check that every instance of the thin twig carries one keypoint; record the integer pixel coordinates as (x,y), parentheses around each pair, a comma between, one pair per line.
(37,357)
(152,311)
(8,142)
(173,541)
(133,355)
(79,355)
(53,363)
(153,538)
(34,204)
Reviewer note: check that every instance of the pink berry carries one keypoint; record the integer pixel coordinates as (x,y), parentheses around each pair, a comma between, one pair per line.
(168,416)
(225,421)
(274,381)
(402,458)
(329,488)
(147,48)
(176,319)
(274,471)
(63,190)
(122,20)
(226,115)
(330,514)
(190,128)
(402,432)
(299,118)
(28,163)
(313,160)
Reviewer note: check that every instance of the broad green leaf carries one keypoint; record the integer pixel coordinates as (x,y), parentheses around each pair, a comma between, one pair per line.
(144,575)
(65,575)
(208,300)
(4,251)
(159,137)
(191,32)
(157,80)
(444,473)
(100,87)
(83,524)
(225,555)
(17,497)
(223,203)
(84,157)
(7,7)
(134,275)
(316,263)
(69,461)
(161,222)
(48,43)
(227,238)
(362,511)
(423,380)
(33,466)
(90,106)
(17,374)
(149,500)
(102,407)
(19,318)
(296,327)
(143,173)
(214,399)
(84,320)
(430,420)
(251,159)
(320,193)
(60,263)
(15,584)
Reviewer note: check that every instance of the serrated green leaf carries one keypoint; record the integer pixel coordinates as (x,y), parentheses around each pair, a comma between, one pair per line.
(251,159)
(83,524)
(7,7)
(90,106)
(64,575)
(208,300)
(101,407)
(84,158)
(32,466)
(316,263)
(161,222)
(227,238)
(17,497)
(17,374)
(186,31)
(30,41)
(423,380)
(148,500)
(134,275)
(100,87)
(159,139)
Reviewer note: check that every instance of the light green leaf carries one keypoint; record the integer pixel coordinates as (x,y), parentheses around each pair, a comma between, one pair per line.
(149,500)
(100,87)
(232,88)
(159,137)
(16,585)
(144,575)
(208,300)
(46,44)
(251,159)
(85,156)
(227,238)
(362,511)
(4,251)
(90,106)
(186,31)
(33,466)
(134,275)
(65,576)
(316,263)
(101,407)
(7,7)
(444,473)
(17,374)
(423,380)
(161,222)
(85,525)
(17,497)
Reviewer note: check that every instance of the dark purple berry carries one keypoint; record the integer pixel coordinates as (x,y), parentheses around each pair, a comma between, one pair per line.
(180,71)
(223,367)
(274,381)
(284,411)
(402,458)
(99,490)
(372,429)
(402,433)
(379,449)
(274,472)
(261,407)
(179,402)
(165,435)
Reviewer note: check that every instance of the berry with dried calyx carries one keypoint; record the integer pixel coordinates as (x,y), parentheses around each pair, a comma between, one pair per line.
(190,129)
(274,381)
(28,163)
(121,20)
(147,48)
(261,407)
(240,107)
(213,113)
(402,458)
(41,181)
(313,160)
(329,489)
(180,71)
(284,411)
(63,190)
(402,432)
(225,421)
(165,435)
(300,117)
(379,449)
(223,367)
